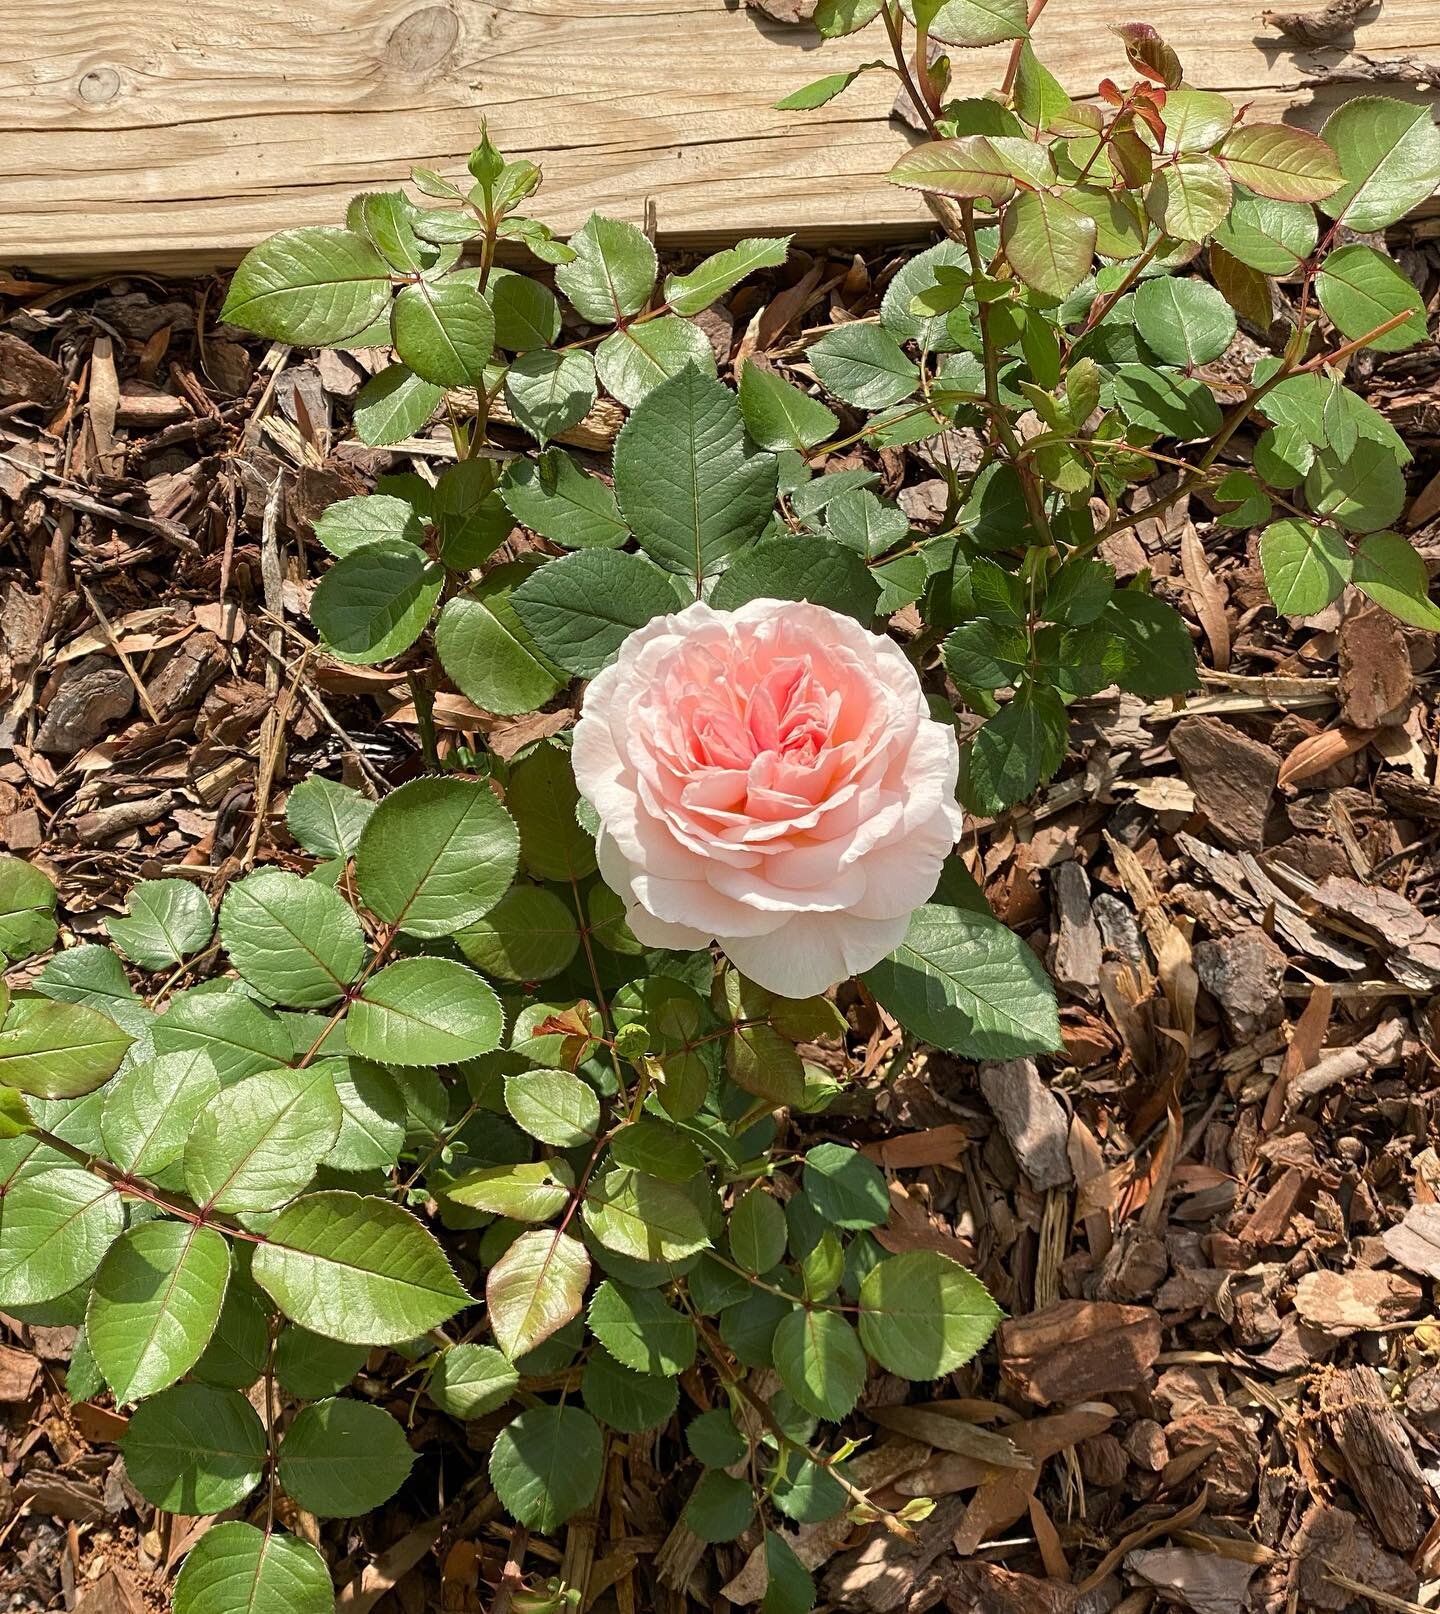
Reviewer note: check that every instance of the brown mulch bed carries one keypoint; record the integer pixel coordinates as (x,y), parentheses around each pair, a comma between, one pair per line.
(1214,1222)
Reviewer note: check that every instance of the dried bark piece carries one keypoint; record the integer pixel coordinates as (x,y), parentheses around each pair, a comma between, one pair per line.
(1078,946)
(976,1588)
(1243,973)
(1379,1460)
(1233,778)
(1032,1119)
(19,1374)
(1216,1447)
(1077,1350)
(1202,1581)
(1345,1302)
(1376,680)
(27,376)
(1412,941)
(1415,1242)
(880,1575)
(1332,1536)
(92,694)
(1330,25)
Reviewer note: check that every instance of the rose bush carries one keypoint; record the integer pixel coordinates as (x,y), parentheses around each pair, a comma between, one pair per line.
(769,778)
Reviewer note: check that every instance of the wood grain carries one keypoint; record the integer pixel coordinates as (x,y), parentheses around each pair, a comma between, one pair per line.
(175,133)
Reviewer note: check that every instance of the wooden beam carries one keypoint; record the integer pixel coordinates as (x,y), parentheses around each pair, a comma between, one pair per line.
(175,133)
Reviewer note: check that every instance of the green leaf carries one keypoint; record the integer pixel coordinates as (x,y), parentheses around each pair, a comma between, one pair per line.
(546,1464)
(1159,657)
(644,1217)
(325,817)
(194,1450)
(167,920)
(820,1362)
(535,1288)
(527,315)
(554,1106)
(55,1227)
(760,1061)
(964,982)
(529,935)
(1305,565)
(970,22)
(242,1037)
(394,405)
(236,1569)
(581,608)
(259,1142)
(922,1315)
(1189,197)
(1195,119)
(549,391)
(1361,492)
(156,1300)
(350,524)
(312,287)
(789,1587)
(967,167)
(471,516)
(375,602)
(485,649)
(1360,289)
(640,1330)
(425,1011)
(1281,162)
(341,1458)
(296,941)
(372,1116)
(1389,154)
(863,365)
(387,220)
(309,1366)
(628,1401)
(542,796)
(1273,237)
(1186,322)
(1390,572)
(757,1231)
(526,1191)
(1023,743)
(847,1189)
(1048,241)
(714,1440)
(780,416)
(470,1380)
(150,1108)
(27,910)
(800,568)
(356,1269)
(552,496)
(658,1148)
(444,332)
(52,1049)
(236,1355)
(717,274)
(720,1507)
(820,91)
(613,272)
(688,482)
(985,654)
(436,855)
(1161,401)
(834,18)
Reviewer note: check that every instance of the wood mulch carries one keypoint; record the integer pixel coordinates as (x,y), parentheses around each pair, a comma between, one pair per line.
(1215,1222)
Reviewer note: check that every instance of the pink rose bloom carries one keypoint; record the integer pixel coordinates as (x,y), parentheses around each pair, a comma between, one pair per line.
(768,778)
